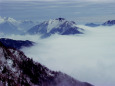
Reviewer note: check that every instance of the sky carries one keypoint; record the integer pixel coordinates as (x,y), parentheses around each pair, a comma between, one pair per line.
(66,0)
(80,11)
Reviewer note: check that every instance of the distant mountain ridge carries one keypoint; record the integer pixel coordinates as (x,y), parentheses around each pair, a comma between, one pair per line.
(109,23)
(18,70)
(9,25)
(60,26)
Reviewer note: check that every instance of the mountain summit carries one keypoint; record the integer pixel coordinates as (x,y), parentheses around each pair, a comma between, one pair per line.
(60,26)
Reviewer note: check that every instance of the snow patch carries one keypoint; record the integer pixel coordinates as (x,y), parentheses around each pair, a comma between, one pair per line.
(54,24)
(7,19)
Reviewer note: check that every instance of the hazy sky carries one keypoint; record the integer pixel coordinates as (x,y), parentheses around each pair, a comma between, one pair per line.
(81,11)
(66,0)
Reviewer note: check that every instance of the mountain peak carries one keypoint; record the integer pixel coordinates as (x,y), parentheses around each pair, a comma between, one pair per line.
(7,19)
(59,26)
(60,19)
(10,19)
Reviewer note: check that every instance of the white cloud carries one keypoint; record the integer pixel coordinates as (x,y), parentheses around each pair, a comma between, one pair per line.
(89,57)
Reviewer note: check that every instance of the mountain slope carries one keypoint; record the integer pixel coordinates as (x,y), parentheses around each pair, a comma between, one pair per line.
(26,25)
(17,44)
(18,70)
(9,28)
(60,26)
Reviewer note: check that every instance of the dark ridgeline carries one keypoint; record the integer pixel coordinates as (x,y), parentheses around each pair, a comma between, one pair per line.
(17,44)
(109,23)
(18,70)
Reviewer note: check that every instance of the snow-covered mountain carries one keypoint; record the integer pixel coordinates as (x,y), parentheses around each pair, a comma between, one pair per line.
(8,26)
(11,26)
(109,23)
(60,26)
(17,44)
(8,19)
(18,70)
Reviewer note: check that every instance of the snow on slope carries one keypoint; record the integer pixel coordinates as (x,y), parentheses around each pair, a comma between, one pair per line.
(8,19)
(56,26)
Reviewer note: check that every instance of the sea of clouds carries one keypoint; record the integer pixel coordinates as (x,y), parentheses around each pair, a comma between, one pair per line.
(87,57)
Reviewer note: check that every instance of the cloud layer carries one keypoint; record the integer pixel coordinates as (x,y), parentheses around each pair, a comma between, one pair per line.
(89,57)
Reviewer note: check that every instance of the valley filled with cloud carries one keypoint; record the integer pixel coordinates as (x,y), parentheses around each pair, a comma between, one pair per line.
(74,37)
(87,57)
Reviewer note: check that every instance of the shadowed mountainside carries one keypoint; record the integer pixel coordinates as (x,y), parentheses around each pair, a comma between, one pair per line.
(18,70)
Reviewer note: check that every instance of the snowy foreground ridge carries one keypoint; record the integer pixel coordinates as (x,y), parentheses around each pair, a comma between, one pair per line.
(18,70)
